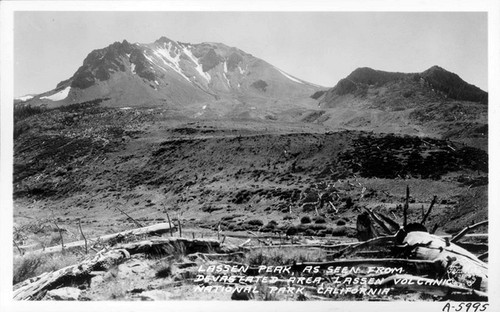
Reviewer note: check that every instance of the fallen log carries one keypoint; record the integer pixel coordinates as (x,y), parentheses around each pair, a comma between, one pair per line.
(467,229)
(154,229)
(456,262)
(35,288)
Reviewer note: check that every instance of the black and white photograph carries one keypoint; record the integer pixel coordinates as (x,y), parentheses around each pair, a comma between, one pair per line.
(214,154)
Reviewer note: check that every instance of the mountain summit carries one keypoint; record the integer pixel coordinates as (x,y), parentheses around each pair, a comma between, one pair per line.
(172,73)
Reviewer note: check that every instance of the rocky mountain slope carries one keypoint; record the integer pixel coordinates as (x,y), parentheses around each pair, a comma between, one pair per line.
(207,79)
(432,103)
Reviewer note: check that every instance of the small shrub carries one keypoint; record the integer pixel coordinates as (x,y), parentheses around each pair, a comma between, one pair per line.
(26,267)
(340,222)
(305,220)
(317,227)
(256,222)
(292,230)
(319,220)
(165,270)
(310,232)
(269,227)
(288,217)
(339,231)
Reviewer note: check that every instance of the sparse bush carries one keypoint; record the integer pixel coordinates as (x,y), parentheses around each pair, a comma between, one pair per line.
(305,220)
(292,230)
(339,231)
(310,232)
(33,265)
(317,227)
(319,220)
(165,270)
(287,217)
(256,222)
(26,267)
(271,226)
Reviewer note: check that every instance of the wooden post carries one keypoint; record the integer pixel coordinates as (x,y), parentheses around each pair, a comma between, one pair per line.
(180,229)
(20,250)
(434,199)
(60,234)
(133,220)
(407,204)
(84,238)
(170,224)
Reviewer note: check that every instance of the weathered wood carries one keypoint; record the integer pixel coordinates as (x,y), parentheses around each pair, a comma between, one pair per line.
(365,228)
(139,225)
(459,263)
(467,229)
(434,199)
(35,288)
(159,228)
(84,238)
(406,206)
(373,241)
(380,222)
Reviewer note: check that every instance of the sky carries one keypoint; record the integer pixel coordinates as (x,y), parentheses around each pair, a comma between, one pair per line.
(319,47)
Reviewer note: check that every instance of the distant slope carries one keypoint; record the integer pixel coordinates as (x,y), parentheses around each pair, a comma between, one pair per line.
(435,102)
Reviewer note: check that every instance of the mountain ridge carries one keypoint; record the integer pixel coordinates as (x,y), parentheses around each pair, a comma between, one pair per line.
(173,72)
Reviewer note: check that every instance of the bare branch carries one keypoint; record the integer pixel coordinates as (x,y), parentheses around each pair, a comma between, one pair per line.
(467,229)
(433,202)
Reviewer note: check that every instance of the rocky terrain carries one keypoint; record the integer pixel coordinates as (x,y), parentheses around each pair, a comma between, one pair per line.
(221,143)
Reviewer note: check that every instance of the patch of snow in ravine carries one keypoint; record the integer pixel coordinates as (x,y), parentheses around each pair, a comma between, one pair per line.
(198,67)
(24,98)
(61,95)
(289,77)
(241,70)
(132,68)
(227,80)
(128,55)
(204,107)
(156,81)
(225,67)
(172,62)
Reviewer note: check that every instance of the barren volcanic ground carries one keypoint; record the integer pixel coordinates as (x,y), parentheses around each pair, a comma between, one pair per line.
(80,162)
(109,169)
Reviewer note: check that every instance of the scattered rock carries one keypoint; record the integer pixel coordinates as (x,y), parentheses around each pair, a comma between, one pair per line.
(65,293)
(154,295)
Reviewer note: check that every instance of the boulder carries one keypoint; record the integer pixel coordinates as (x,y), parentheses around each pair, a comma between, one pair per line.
(65,293)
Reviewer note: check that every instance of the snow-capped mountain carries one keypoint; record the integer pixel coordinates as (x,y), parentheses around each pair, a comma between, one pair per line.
(173,74)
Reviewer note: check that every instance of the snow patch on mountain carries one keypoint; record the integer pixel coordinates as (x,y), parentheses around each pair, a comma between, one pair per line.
(24,98)
(132,68)
(198,67)
(61,95)
(173,62)
(288,76)
(227,80)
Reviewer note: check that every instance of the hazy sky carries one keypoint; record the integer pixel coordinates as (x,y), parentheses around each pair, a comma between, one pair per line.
(320,47)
